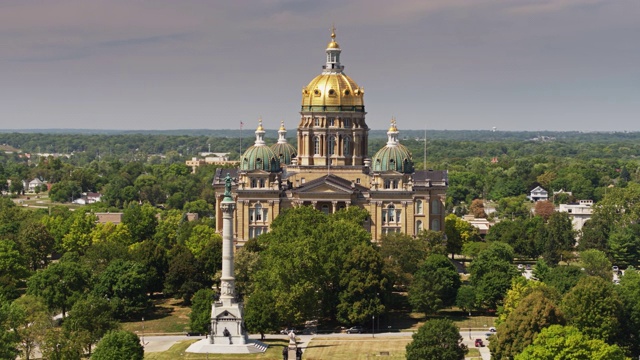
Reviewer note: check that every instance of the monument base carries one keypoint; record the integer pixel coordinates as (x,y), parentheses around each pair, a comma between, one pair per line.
(204,346)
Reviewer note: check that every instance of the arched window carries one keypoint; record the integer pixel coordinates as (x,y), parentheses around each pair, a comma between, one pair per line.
(418,226)
(316,145)
(347,146)
(419,209)
(435,225)
(325,209)
(435,207)
(332,145)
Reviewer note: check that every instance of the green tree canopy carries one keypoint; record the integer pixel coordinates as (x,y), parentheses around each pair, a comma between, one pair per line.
(435,285)
(568,343)
(437,339)
(119,344)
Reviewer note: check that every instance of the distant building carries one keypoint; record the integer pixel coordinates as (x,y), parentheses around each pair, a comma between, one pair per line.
(578,212)
(483,225)
(88,198)
(538,194)
(210,159)
(114,218)
(31,185)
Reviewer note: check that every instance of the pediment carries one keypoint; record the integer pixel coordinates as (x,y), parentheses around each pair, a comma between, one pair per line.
(226,315)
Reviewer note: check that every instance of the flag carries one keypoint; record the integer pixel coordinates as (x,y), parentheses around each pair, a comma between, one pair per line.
(241,124)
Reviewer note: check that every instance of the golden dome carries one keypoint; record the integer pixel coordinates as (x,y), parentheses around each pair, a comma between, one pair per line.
(333,44)
(332,92)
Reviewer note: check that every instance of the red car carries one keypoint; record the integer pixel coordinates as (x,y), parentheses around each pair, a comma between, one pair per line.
(479,343)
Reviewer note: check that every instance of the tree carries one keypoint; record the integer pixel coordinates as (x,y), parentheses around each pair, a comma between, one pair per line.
(491,274)
(595,263)
(12,262)
(89,319)
(435,285)
(59,344)
(629,291)
(477,208)
(533,313)
(594,307)
(458,232)
(112,234)
(8,339)
(124,283)
(200,316)
(119,344)
(36,244)
(568,343)
(437,339)
(362,281)
(558,236)
(625,244)
(65,191)
(60,285)
(544,209)
(402,254)
(563,278)
(78,238)
(183,278)
(466,298)
(140,220)
(29,320)
(260,315)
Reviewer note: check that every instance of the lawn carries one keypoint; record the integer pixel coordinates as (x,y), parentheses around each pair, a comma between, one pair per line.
(177,351)
(168,316)
(356,348)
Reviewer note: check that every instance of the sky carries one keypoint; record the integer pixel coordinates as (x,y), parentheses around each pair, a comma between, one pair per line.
(432,64)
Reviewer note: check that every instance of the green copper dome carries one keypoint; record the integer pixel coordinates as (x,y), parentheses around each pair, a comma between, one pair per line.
(394,156)
(282,149)
(260,156)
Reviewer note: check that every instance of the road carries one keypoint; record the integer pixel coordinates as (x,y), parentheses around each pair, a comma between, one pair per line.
(163,343)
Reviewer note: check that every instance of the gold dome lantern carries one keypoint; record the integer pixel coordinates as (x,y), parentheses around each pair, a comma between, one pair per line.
(332,90)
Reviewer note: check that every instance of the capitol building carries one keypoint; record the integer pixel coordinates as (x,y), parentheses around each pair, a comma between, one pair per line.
(330,169)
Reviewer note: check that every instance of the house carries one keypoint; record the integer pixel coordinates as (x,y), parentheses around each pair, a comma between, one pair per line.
(578,212)
(538,194)
(483,225)
(88,198)
(30,186)
(114,218)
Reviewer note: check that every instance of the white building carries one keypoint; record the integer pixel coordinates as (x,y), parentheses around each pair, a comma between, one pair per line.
(578,212)
(538,194)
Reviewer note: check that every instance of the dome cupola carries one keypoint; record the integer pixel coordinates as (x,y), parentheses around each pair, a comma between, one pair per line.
(259,156)
(282,149)
(332,90)
(394,156)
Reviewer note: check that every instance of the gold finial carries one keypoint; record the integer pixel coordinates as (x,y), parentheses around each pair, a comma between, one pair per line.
(260,128)
(333,31)
(282,125)
(393,124)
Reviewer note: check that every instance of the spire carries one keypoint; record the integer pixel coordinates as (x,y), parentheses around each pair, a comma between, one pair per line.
(259,134)
(282,133)
(333,55)
(392,133)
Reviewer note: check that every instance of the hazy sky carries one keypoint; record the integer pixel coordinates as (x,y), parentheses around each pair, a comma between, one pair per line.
(435,64)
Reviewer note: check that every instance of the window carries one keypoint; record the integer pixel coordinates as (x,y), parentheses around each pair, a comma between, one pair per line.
(418,226)
(255,231)
(357,180)
(316,145)
(325,209)
(391,184)
(419,209)
(258,214)
(391,215)
(261,183)
(347,122)
(347,146)
(435,225)
(254,183)
(302,180)
(316,121)
(435,207)
(332,145)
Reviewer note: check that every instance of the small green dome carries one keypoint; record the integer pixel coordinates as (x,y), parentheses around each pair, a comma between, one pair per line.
(260,157)
(393,158)
(284,152)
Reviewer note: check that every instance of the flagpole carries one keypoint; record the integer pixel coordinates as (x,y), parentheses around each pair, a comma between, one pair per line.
(240,155)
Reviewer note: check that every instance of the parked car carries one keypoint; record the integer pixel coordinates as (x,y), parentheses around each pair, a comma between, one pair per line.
(615,269)
(492,329)
(528,267)
(520,266)
(354,330)
(479,343)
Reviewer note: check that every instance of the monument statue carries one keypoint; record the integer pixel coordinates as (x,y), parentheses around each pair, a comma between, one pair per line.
(227,186)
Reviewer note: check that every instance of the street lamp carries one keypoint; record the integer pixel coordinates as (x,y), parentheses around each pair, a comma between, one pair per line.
(143,332)
(373,327)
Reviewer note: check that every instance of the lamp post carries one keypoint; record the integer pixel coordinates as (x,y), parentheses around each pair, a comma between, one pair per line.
(143,332)
(373,327)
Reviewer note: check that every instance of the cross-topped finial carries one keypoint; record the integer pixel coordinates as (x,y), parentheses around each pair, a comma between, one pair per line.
(333,31)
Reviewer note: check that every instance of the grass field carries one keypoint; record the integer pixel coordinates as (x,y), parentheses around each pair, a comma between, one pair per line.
(169,316)
(360,348)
